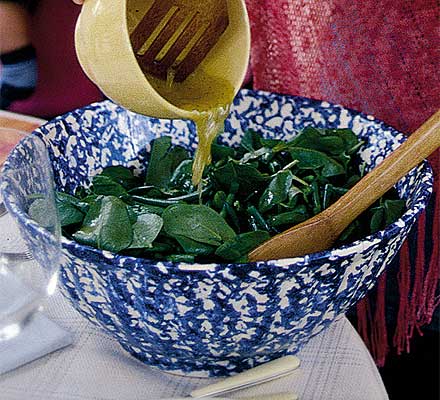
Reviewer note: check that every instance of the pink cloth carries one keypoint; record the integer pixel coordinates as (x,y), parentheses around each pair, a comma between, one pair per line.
(62,85)
(382,58)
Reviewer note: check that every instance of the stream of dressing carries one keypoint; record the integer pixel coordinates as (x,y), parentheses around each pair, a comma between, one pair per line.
(210,98)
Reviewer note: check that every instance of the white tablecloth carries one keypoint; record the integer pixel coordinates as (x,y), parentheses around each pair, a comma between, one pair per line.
(335,365)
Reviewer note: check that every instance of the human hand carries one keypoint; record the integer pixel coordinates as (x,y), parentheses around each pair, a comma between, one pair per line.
(78,1)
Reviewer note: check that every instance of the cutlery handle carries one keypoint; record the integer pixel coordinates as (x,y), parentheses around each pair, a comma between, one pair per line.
(273,396)
(423,142)
(263,373)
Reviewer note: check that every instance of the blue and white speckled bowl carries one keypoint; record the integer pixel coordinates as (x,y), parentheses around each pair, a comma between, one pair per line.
(216,319)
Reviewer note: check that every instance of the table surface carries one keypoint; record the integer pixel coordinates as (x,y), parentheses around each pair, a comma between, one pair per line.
(335,364)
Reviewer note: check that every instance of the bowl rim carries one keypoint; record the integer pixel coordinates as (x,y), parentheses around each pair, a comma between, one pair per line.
(345,250)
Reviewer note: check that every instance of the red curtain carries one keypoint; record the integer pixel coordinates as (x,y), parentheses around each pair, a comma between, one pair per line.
(379,57)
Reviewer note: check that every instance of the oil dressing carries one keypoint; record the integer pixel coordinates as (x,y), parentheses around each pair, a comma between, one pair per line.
(209,98)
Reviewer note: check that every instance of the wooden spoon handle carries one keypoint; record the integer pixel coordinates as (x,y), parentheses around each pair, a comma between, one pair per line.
(423,142)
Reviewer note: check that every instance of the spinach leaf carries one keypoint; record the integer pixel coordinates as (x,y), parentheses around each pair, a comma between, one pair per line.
(289,218)
(106,226)
(245,175)
(145,230)
(182,177)
(276,192)
(250,142)
(241,245)
(196,222)
(315,160)
(41,211)
(193,247)
(123,176)
(140,209)
(220,152)
(164,159)
(393,210)
(69,209)
(104,185)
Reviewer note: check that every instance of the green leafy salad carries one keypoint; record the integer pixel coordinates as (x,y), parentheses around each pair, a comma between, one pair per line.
(248,194)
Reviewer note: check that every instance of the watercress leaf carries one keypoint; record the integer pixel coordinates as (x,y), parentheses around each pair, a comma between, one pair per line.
(241,244)
(270,143)
(353,232)
(186,258)
(251,141)
(81,192)
(106,225)
(145,230)
(393,210)
(294,194)
(197,222)
(289,218)
(87,234)
(312,159)
(221,152)
(104,185)
(164,159)
(181,178)
(219,200)
(377,219)
(193,247)
(140,209)
(41,211)
(316,139)
(276,192)
(256,220)
(68,209)
(245,175)
(123,176)
(348,137)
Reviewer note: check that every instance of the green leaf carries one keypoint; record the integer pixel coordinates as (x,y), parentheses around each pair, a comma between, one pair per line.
(220,152)
(289,218)
(164,159)
(316,139)
(241,245)
(195,248)
(250,142)
(104,185)
(256,220)
(377,219)
(145,230)
(247,176)
(196,222)
(42,211)
(123,176)
(312,159)
(182,177)
(140,209)
(276,192)
(106,225)
(219,200)
(394,209)
(68,209)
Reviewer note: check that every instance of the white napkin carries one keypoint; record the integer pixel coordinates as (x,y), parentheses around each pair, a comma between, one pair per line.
(38,337)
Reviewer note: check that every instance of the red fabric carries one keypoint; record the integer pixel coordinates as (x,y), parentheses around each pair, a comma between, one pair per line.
(381,58)
(62,85)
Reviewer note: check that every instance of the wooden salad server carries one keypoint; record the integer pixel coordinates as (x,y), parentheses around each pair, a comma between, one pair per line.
(178,35)
(321,231)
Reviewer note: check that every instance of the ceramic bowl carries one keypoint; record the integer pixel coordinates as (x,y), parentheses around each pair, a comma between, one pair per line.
(213,319)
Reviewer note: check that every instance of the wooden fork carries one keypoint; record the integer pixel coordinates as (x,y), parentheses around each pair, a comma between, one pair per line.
(177,35)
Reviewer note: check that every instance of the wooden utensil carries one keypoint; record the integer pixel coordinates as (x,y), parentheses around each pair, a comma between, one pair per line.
(176,35)
(320,232)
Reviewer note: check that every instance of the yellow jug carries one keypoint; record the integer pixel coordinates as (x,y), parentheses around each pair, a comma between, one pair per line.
(104,50)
